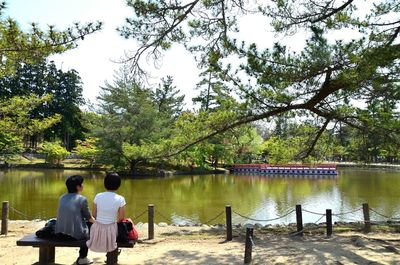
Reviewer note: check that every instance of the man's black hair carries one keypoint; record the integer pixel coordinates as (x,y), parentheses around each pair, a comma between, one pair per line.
(72,182)
(112,181)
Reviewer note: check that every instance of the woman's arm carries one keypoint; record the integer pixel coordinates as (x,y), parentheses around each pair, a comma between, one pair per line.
(121,213)
(94,210)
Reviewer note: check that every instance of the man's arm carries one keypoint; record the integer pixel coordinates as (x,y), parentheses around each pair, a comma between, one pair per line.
(86,212)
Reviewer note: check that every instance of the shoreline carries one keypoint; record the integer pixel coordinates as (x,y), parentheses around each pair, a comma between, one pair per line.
(318,228)
(200,245)
(394,167)
(156,172)
(162,173)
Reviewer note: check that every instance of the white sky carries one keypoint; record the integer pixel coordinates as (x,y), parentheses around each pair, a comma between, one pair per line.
(94,57)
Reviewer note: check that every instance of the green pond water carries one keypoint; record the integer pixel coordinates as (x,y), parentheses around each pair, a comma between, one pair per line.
(33,194)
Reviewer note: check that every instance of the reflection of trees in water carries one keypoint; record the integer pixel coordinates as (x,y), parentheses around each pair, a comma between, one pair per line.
(203,197)
(379,188)
(284,193)
(35,192)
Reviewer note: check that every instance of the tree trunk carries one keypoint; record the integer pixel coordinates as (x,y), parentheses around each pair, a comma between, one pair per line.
(133,167)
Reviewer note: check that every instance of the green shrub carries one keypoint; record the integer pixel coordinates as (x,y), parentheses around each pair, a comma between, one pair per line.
(55,152)
(87,150)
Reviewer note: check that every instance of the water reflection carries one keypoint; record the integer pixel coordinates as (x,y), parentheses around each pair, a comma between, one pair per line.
(199,198)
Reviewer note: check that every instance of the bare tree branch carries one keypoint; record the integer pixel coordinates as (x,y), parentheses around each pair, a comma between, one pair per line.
(334,11)
(156,43)
(312,146)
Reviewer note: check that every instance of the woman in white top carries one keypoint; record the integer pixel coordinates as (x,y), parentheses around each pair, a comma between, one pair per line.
(108,209)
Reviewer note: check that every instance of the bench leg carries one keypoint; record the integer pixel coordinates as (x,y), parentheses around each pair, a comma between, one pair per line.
(51,254)
(112,257)
(46,255)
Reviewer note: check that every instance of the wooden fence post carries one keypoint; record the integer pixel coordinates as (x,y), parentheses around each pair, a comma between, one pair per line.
(248,246)
(299,220)
(228,213)
(328,222)
(150,208)
(367,221)
(4,218)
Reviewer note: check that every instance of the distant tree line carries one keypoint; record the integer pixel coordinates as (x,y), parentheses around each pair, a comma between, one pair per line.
(65,88)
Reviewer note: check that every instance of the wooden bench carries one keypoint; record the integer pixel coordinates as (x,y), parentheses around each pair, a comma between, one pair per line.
(47,248)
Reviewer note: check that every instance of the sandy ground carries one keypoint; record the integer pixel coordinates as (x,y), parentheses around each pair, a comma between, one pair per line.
(185,245)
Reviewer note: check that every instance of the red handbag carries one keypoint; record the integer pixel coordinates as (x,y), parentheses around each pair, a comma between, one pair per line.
(132,233)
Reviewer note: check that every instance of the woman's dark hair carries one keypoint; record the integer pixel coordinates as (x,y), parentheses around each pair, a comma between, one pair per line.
(72,182)
(112,181)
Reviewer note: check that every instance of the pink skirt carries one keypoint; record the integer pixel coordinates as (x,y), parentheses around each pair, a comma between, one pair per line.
(103,238)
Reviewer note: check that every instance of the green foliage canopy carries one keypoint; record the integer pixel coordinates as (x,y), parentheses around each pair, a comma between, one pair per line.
(10,145)
(17,46)
(331,80)
(15,115)
(135,122)
(16,122)
(66,91)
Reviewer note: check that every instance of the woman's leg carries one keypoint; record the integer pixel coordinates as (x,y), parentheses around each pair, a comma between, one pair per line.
(112,257)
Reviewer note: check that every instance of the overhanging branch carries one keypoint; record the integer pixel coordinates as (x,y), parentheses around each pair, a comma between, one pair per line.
(312,146)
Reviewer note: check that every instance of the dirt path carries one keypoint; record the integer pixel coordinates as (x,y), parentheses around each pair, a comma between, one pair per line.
(182,245)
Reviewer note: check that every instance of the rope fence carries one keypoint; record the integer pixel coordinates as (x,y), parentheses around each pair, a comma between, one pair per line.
(153,213)
(353,220)
(138,216)
(264,220)
(310,228)
(311,212)
(347,216)
(22,214)
(168,219)
(384,216)
(348,212)
(214,218)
